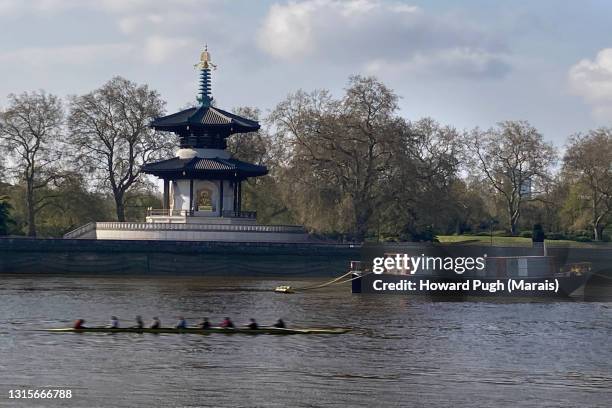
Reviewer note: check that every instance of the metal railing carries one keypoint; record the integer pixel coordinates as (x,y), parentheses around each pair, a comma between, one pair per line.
(187,213)
(150,226)
(239,214)
(168,213)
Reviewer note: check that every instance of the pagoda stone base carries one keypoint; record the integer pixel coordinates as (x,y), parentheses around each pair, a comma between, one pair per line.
(221,232)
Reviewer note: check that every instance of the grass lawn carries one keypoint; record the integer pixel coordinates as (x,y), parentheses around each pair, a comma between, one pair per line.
(518,241)
(484,240)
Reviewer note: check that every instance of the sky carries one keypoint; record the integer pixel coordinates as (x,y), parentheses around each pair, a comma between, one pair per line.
(466,64)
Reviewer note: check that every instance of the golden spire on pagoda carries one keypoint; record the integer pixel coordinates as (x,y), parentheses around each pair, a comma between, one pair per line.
(205,62)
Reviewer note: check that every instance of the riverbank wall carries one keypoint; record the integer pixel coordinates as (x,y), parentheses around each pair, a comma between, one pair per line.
(108,257)
(125,257)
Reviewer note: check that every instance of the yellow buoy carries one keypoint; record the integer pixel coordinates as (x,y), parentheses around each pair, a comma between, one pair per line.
(284,289)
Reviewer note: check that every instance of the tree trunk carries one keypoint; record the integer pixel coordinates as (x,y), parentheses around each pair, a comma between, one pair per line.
(30,209)
(360,231)
(362,218)
(514,216)
(31,222)
(598,229)
(120,207)
(513,227)
(600,232)
(595,233)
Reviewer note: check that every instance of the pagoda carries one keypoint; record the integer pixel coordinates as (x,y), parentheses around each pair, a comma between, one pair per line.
(203,180)
(202,184)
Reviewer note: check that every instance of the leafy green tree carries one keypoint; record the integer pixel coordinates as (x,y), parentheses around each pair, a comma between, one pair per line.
(262,194)
(138,201)
(73,205)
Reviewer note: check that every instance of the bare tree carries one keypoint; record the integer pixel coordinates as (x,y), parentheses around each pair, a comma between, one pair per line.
(514,159)
(109,129)
(29,131)
(423,169)
(252,147)
(588,161)
(338,149)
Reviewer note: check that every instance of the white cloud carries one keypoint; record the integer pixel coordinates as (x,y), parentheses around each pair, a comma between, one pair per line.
(358,7)
(65,55)
(159,49)
(137,23)
(403,8)
(154,30)
(132,24)
(453,62)
(8,7)
(118,7)
(122,6)
(592,80)
(20,7)
(288,30)
(373,33)
(156,50)
(299,29)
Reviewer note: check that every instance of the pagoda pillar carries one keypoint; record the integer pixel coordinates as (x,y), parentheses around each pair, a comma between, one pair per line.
(235,206)
(166,203)
(191,209)
(221,198)
(240,196)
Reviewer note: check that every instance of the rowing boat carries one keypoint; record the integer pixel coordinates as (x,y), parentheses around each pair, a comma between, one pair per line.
(194,330)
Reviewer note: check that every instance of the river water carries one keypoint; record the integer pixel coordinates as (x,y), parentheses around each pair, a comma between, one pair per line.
(403,351)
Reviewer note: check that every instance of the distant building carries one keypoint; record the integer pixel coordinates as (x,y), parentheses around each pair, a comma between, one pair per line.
(202,193)
(525,190)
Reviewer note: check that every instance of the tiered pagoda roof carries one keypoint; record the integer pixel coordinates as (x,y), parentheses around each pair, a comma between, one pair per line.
(202,168)
(204,127)
(205,118)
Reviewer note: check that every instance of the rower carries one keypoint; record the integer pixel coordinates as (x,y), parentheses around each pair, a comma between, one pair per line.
(78,324)
(139,322)
(182,323)
(204,324)
(155,324)
(227,323)
(114,322)
(253,325)
(279,324)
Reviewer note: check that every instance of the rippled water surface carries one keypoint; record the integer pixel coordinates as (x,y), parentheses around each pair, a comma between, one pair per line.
(403,351)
